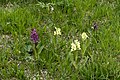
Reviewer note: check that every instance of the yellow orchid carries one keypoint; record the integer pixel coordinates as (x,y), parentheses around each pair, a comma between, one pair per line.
(84,36)
(75,45)
(58,31)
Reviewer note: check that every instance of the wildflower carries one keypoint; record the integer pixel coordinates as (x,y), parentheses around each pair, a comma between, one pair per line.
(95,26)
(58,31)
(34,36)
(75,45)
(84,36)
(52,9)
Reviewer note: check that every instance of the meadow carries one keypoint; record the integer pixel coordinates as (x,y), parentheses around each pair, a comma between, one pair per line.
(59,40)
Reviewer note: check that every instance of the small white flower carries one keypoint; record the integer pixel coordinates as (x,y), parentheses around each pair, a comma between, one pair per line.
(84,36)
(58,31)
(52,9)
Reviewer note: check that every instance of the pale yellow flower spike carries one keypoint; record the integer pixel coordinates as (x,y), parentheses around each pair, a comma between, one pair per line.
(77,44)
(84,36)
(73,47)
(58,31)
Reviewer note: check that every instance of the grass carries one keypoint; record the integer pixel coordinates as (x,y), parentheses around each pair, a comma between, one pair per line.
(98,59)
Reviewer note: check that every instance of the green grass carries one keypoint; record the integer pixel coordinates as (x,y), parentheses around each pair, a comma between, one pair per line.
(98,59)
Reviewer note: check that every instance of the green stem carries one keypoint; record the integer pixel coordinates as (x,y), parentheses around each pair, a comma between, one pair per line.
(35,51)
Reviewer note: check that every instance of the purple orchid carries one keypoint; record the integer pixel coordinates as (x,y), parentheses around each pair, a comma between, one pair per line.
(34,36)
(95,26)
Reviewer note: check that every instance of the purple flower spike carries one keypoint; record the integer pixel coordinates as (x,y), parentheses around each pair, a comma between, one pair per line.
(95,26)
(34,36)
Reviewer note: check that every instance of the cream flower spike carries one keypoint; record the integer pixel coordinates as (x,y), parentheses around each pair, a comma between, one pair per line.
(73,47)
(77,44)
(58,31)
(84,36)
